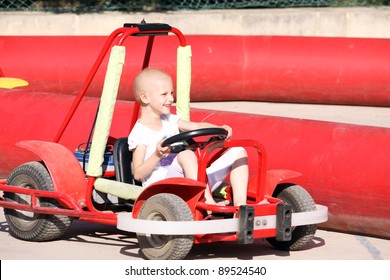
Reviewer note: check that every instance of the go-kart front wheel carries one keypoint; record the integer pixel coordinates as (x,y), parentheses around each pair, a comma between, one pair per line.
(300,201)
(165,207)
(27,225)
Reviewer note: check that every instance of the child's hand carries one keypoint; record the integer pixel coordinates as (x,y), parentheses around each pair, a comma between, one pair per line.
(162,152)
(229,130)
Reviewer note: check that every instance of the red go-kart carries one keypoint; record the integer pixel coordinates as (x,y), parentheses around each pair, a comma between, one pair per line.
(42,198)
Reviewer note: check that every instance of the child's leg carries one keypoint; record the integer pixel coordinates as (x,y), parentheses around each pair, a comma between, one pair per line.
(184,165)
(235,162)
(239,178)
(186,162)
(189,162)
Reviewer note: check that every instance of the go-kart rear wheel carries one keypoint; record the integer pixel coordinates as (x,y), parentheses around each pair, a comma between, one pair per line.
(165,207)
(27,225)
(300,201)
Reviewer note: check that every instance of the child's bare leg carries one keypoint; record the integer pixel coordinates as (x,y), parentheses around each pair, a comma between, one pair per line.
(189,163)
(239,179)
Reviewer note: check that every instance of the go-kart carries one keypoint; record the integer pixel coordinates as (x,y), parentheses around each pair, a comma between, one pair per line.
(95,183)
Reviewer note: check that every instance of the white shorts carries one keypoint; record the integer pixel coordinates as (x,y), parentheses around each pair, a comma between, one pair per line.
(216,173)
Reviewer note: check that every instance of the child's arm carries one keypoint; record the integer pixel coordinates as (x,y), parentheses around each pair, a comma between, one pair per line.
(188,125)
(142,168)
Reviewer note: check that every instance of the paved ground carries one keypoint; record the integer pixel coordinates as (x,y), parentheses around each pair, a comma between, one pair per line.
(360,115)
(90,241)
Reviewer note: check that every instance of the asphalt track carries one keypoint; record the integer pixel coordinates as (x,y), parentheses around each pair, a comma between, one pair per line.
(90,241)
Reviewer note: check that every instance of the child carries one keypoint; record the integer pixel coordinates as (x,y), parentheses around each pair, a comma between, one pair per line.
(153,89)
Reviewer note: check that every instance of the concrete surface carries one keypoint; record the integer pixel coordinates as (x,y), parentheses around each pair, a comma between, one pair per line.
(359,115)
(370,22)
(90,241)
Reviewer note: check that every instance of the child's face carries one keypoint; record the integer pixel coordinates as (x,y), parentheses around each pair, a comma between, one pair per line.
(161,95)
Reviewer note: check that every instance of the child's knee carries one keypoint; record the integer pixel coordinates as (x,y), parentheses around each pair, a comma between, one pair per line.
(242,158)
(186,155)
(242,153)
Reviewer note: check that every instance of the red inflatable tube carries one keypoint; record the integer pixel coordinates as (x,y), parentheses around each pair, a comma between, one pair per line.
(344,167)
(258,68)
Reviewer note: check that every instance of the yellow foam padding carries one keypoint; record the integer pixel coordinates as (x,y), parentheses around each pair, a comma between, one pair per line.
(118,189)
(106,110)
(11,83)
(183,85)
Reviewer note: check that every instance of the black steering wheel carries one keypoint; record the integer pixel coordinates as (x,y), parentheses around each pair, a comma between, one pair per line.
(184,140)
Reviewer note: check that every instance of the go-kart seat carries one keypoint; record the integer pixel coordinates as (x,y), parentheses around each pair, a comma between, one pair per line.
(122,162)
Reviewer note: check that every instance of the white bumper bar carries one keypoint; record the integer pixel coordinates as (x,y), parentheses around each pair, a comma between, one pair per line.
(127,223)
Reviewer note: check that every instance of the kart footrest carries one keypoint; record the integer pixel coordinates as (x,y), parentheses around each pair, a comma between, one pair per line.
(283,222)
(246,222)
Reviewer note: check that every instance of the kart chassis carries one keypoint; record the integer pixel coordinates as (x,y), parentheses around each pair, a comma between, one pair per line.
(265,216)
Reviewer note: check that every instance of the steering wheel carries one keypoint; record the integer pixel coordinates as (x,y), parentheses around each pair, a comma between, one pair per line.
(183,140)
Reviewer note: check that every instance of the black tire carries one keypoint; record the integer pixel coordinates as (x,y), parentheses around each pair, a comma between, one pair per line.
(300,201)
(165,207)
(27,225)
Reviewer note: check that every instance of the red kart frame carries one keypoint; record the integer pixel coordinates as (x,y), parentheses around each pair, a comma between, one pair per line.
(275,219)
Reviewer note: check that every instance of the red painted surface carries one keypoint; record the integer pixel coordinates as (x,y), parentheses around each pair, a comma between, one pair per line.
(262,68)
(59,170)
(344,167)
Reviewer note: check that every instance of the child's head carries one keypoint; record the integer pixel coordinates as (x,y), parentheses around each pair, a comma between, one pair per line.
(151,81)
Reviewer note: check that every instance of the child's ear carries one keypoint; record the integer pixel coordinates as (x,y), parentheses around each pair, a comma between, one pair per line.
(144,97)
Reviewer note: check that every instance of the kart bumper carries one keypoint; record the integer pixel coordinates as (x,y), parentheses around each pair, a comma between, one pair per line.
(126,222)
